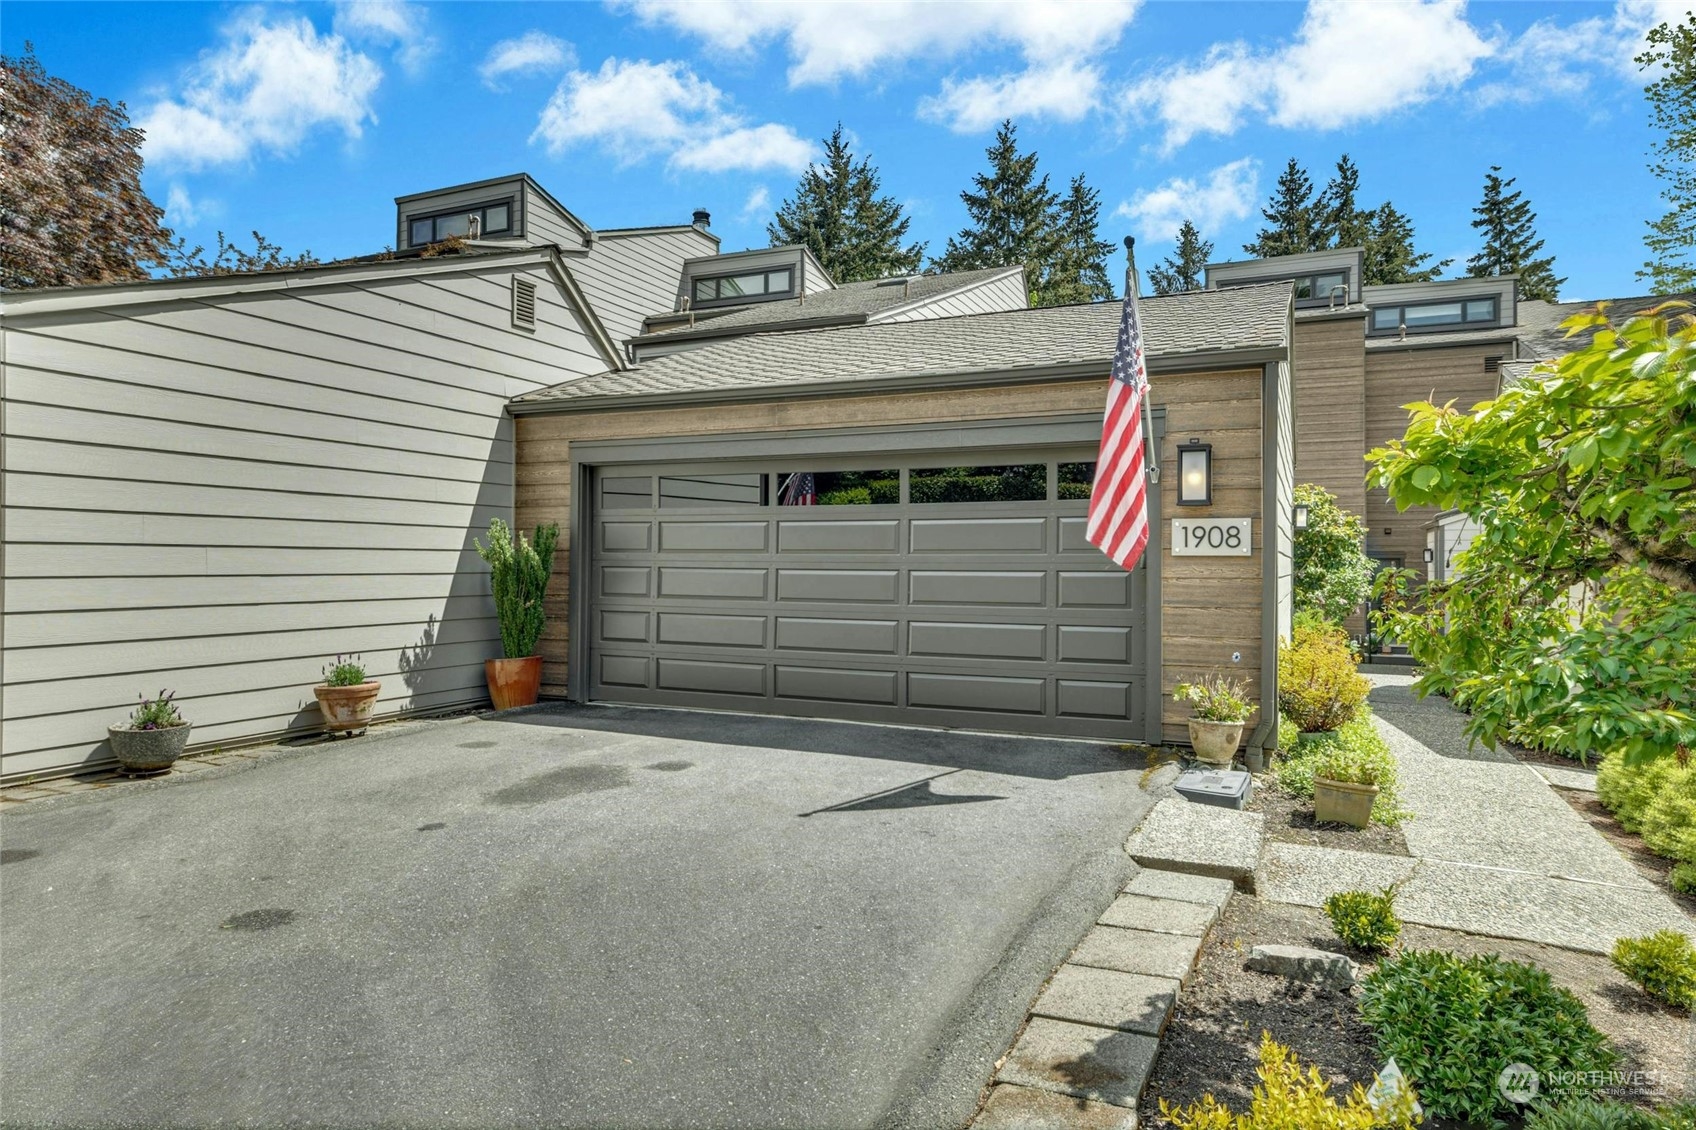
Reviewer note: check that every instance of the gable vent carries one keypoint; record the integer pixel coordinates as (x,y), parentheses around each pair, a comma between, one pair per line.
(524,304)
(1492,364)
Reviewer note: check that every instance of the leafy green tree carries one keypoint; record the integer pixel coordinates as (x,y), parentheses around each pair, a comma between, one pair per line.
(1013,217)
(1584,475)
(1672,238)
(1510,240)
(1390,254)
(1079,273)
(1297,217)
(1332,572)
(72,209)
(838,212)
(1185,268)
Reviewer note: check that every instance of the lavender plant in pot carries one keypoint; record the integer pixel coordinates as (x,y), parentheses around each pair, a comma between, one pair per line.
(518,574)
(153,738)
(1220,708)
(346,697)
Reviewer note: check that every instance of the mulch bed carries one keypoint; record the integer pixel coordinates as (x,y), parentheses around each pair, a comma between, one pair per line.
(1212,1044)
(1290,820)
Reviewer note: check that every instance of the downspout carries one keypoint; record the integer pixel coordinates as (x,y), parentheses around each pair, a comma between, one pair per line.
(1271,538)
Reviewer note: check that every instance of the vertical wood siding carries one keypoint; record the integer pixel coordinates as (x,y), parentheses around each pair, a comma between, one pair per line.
(1330,394)
(1211,607)
(219,494)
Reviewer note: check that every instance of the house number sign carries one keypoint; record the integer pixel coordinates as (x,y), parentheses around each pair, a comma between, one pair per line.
(1212,537)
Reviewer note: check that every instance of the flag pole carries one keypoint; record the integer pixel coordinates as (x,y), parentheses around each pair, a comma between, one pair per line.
(1151,448)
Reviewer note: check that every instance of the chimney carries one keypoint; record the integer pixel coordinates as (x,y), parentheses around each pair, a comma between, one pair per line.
(702,218)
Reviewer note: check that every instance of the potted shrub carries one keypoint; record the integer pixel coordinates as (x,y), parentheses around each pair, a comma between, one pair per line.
(346,697)
(518,574)
(1345,785)
(153,738)
(1220,706)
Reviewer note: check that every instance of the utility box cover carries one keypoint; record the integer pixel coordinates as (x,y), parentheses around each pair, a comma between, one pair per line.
(1222,788)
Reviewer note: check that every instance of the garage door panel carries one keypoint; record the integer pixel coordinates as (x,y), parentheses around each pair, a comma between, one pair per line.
(837,685)
(626,537)
(992,535)
(1090,699)
(1073,537)
(1095,590)
(972,641)
(624,626)
(845,586)
(725,584)
(624,580)
(879,536)
(707,537)
(1094,644)
(962,587)
(624,670)
(712,631)
(989,694)
(714,676)
(806,633)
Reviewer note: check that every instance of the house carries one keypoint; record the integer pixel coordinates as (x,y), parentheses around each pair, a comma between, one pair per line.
(217,485)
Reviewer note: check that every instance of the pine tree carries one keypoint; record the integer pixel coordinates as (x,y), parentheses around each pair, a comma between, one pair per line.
(1079,273)
(1671,240)
(1013,217)
(1510,240)
(1185,268)
(1390,254)
(838,214)
(1296,216)
(1342,222)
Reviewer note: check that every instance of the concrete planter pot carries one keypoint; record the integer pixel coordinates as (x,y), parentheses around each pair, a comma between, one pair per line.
(347,710)
(1215,742)
(1339,802)
(514,682)
(143,753)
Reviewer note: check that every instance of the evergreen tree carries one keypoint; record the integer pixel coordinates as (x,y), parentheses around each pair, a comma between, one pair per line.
(1079,273)
(1297,218)
(1185,267)
(1013,217)
(1510,240)
(1343,222)
(838,214)
(1390,254)
(1672,238)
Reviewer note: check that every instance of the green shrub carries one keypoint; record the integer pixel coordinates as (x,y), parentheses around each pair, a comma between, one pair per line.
(1351,765)
(1453,1023)
(1602,1114)
(518,574)
(1359,742)
(346,671)
(1657,800)
(1683,878)
(1663,964)
(156,713)
(1669,824)
(1288,734)
(1365,921)
(1290,1098)
(1318,686)
(1215,698)
(1332,572)
(1627,790)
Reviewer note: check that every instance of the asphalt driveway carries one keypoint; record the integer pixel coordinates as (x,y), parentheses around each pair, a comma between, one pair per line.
(574,917)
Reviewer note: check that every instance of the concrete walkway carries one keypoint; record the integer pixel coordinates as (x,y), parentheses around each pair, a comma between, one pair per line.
(1495,850)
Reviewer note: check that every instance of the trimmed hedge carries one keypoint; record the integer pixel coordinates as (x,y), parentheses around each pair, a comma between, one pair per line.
(1657,800)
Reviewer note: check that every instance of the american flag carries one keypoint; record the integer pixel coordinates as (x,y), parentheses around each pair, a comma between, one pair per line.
(1118,501)
(798,489)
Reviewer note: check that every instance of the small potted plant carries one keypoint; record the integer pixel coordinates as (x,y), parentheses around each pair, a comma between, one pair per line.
(1345,786)
(346,697)
(1220,707)
(518,575)
(153,738)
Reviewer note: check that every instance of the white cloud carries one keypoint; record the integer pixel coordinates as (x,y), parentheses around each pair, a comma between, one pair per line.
(265,89)
(1552,59)
(530,53)
(401,23)
(180,209)
(1348,63)
(828,40)
(1066,91)
(1225,195)
(635,109)
(758,203)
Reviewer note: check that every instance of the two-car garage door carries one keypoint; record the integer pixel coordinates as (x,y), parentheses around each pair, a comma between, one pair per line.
(916,592)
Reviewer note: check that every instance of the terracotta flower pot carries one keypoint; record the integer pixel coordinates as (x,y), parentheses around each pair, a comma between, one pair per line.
(1340,802)
(145,752)
(347,710)
(1215,742)
(514,682)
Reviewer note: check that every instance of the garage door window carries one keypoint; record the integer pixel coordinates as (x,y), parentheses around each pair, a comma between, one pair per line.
(1024,482)
(838,488)
(1075,480)
(682,492)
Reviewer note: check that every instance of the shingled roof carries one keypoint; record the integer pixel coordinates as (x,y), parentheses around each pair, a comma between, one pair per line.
(1196,324)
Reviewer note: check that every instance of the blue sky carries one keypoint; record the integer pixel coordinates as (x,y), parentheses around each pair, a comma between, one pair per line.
(305,120)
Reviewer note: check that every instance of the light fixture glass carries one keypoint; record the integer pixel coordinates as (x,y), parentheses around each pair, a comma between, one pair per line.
(1430,555)
(1195,473)
(1301,515)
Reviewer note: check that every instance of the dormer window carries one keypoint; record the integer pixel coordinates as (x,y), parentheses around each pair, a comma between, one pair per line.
(752,285)
(1311,290)
(495,220)
(1423,316)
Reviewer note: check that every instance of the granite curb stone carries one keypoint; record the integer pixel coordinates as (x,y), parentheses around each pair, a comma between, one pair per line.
(1200,839)
(1181,887)
(1012,1107)
(1087,1062)
(1106,998)
(1159,916)
(1138,951)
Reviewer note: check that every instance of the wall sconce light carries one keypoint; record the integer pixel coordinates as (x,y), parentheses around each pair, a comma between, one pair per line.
(1430,555)
(1301,515)
(1195,473)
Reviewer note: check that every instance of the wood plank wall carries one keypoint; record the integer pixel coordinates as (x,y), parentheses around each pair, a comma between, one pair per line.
(1211,607)
(1330,404)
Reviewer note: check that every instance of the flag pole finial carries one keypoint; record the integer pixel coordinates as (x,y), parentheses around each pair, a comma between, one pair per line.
(1130,256)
